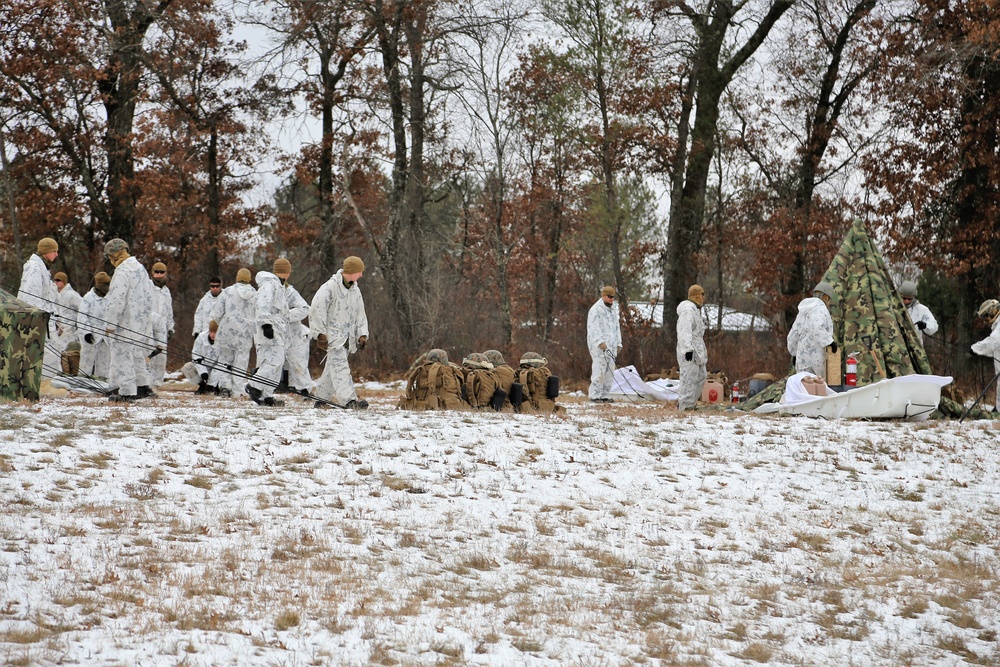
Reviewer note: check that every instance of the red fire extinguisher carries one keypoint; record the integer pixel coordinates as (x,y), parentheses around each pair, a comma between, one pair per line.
(851,374)
(736,393)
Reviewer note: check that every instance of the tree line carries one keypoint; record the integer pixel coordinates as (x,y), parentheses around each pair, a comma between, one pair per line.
(496,163)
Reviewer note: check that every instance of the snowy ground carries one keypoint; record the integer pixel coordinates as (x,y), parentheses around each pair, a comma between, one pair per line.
(194,531)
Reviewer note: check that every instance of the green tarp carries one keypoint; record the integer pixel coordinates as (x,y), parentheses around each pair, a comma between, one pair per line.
(23,329)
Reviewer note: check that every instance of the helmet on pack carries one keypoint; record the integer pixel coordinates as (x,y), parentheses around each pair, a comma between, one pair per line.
(495,357)
(533,359)
(437,355)
(477,360)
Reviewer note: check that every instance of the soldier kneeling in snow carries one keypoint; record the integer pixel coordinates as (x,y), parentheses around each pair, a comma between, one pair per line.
(204,361)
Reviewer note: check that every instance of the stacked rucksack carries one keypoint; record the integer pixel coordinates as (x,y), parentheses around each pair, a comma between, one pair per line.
(536,388)
(433,384)
(481,389)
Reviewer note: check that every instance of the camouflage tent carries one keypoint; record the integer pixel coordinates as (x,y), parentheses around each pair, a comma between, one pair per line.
(869,319)
(22,342)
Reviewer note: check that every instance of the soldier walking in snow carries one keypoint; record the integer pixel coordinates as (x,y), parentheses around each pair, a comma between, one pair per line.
(235,312)
(338,322)
(95,350)
(812,332)
(604,341)
(920,314)
(130,306)
(297,343)
(270,332)
(692,355)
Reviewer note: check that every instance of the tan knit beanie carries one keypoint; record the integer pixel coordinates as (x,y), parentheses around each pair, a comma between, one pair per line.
(353,265)
(101,278)
(160,266)
(243,276)
(695,290)
(281,265)
(61,277)
(47,245)
(608,290)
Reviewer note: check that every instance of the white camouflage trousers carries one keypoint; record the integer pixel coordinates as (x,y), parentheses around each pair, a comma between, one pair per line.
(270,359)
(297,363)
(95,358)
(693,376)
(231,369)
(127,369)
(335,384)
(812,361)
(602,373)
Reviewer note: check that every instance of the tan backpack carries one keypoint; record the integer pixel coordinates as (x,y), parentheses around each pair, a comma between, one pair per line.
(433,386)
(535,380)
(479,387)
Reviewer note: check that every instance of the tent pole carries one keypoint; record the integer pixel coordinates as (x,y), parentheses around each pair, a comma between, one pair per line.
(980,397)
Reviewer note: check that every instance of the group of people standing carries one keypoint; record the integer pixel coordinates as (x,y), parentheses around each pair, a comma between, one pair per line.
(809,338)
(604,341)
(125,324)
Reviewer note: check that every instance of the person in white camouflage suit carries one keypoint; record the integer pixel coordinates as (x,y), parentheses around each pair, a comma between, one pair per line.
(604,341)
(338,322)
(812,332)
(990,346)
(203,313)
(163,330)
(692,355)
(204,359)
(235,311)
(921,316)
(270,332)
(69,308)
(129,326)
(95,349)
(297,343)
(38,290)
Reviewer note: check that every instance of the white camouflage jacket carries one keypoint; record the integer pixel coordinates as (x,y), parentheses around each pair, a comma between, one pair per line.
(272,308)
(37,288)
(131,302)
(236,311)
(93,313)
(812,330)
(604,326)
(691,332)
(338,313)
(203,313)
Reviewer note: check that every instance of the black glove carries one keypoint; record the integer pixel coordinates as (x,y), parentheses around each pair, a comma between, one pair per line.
(362,341)
(921,325)
(170,334)
(204,376)
(793,361)
(89,338)
(833,346)
(268,330)
(689,355)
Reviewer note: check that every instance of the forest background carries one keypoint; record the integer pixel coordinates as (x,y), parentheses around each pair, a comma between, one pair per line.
(495,163)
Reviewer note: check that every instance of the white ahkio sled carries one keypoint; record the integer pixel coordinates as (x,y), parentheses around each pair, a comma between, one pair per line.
(912,397)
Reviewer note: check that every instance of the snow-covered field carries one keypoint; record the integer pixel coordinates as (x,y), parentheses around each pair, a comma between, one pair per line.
(200,531)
